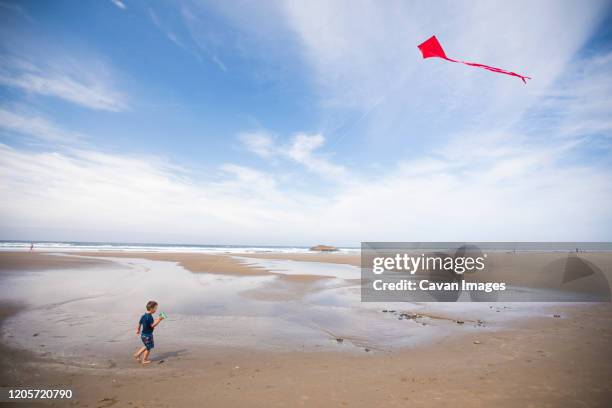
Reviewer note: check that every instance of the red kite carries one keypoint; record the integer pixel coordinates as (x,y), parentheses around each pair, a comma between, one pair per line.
(432,49)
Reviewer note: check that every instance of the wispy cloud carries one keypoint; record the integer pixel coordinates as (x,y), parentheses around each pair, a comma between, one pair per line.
(119,4)
(260,143)
(36,127)
(171,35)
(220,64)
(82,84)
(301,149)
(582,101)
(186,42)
(366,57)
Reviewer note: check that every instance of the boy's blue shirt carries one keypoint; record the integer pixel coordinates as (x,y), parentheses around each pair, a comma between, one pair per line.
(147,321)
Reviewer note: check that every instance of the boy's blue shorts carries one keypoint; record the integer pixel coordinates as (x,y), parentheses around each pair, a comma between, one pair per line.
(147,340)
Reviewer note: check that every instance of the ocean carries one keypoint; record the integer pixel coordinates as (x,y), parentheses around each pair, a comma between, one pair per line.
(144,247)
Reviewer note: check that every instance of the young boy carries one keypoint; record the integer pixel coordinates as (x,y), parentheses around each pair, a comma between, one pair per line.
(148,324)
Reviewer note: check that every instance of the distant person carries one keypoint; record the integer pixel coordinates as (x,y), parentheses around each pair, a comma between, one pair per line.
(148,324)
(31,246)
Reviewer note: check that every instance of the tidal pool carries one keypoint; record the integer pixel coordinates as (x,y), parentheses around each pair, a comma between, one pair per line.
(90,314)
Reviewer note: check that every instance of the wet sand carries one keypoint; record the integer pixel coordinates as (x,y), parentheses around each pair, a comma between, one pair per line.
(195,262)
(540,361)
(33,261)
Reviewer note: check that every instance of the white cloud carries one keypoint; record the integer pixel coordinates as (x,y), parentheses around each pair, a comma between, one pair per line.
(81,83)
(260,143)
(301,149)
(119,4)
(35,127)
(303,145)
(89,195)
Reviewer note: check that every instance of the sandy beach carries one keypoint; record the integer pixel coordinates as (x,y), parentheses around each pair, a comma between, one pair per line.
(274,336)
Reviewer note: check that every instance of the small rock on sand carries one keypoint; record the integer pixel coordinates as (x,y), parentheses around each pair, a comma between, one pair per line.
(324,248)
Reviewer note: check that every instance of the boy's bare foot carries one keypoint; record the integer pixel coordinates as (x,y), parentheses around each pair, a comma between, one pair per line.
(146,362)
(136,357)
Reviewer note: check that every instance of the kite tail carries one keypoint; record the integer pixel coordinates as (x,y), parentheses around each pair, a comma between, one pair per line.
(494,69)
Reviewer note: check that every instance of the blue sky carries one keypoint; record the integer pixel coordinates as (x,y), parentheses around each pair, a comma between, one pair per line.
(304,122)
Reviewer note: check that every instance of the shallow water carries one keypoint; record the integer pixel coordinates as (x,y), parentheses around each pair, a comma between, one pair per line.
(90,314)
(290,267)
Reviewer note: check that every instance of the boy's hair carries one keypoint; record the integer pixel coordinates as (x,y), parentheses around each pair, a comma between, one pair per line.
(151,304)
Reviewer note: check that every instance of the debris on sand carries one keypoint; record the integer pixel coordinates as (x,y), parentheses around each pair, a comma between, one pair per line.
(556,315)
(410,316)
(476,342)
(324,248)
(339,339)
(107,402)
